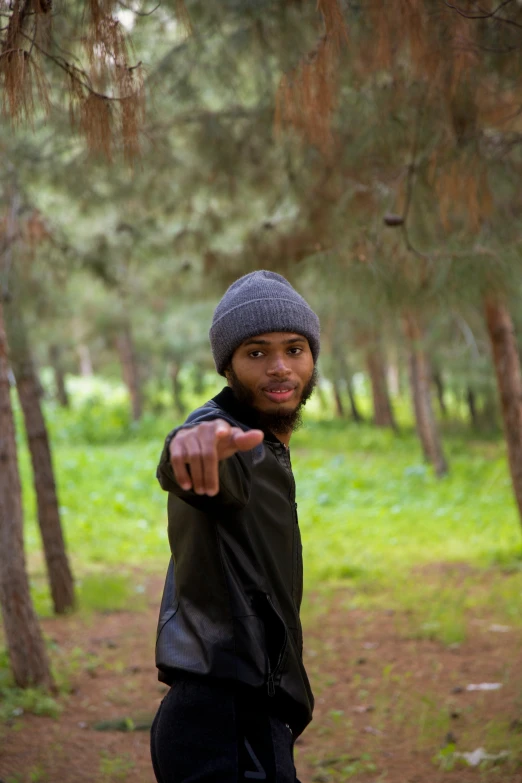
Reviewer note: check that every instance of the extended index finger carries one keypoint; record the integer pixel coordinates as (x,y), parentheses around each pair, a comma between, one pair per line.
(238,441)
(245,441)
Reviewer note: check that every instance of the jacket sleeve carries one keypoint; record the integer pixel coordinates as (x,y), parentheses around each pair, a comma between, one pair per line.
(234,479)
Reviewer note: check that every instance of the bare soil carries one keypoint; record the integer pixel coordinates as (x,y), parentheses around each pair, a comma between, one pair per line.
(386,703)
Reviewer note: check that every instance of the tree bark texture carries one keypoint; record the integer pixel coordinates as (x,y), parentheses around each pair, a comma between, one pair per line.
(420,383)
(471,401)
(176,388)
(59,375)
(509,380)
(356,414)
(439,386)
(347,375)
(382,407)
(25,646)
(339,407)
(28,386)
(125,345)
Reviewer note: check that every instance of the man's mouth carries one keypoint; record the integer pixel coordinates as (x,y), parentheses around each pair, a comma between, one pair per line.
(279,393)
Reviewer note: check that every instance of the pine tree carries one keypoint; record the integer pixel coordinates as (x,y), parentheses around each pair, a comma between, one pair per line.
(41,61)
(25,646)
(28,387)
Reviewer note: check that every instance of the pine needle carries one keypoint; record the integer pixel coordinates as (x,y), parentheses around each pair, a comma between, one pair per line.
(334,22)
(307,98)
(132,114)
(306,101)
(96,124)
(183,17)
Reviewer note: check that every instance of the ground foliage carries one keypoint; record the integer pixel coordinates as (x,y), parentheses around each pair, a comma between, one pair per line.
(370,509)
(412,593)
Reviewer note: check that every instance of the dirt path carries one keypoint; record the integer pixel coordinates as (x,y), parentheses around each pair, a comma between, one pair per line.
(386,704)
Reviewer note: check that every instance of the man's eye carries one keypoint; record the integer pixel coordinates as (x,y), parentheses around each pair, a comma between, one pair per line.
(255,354)
(296,351)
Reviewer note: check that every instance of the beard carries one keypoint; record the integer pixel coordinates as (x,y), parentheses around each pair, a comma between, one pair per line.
(280,422)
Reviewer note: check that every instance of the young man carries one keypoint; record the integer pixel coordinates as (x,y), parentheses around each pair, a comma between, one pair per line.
(229,639)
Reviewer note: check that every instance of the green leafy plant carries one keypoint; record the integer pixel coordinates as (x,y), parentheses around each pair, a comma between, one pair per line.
(113,768)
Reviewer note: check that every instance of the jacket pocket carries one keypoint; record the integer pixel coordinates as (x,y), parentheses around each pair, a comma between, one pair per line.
(276,642)
(165,616)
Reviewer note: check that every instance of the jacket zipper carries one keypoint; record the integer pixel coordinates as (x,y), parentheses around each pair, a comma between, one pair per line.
(272,673)
(295,554)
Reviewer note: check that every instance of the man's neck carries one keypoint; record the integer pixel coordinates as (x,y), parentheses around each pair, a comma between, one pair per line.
(284,438)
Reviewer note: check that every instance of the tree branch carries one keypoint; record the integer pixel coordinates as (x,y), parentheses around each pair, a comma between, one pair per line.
(76,73)
(139,13)
(467,332)
(409,182)
(487,15)
(490,49)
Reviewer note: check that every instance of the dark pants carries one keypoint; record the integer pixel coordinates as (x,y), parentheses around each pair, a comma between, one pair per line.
(211,732)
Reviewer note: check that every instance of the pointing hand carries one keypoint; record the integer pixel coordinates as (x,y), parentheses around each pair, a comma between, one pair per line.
(201,448)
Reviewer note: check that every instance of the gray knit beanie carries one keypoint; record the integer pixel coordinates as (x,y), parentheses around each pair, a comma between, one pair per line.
(256,303)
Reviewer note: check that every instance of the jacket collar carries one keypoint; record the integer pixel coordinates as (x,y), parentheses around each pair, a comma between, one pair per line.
(227,400)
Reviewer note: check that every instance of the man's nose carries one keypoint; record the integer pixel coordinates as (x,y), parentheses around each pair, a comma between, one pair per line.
(279,367)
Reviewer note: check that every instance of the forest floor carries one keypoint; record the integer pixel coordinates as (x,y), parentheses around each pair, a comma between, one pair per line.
(392,704)
(413,589)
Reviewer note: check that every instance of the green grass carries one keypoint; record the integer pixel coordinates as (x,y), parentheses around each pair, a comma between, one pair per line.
(370,512)
(110,593)
(367,502)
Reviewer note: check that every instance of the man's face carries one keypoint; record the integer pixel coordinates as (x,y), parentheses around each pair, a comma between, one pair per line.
(274,373)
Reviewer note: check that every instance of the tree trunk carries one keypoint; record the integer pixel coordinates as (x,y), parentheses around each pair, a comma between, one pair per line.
(176,388)
(339,408)
(85,361)
(509,380)
(125,346)
(323,402)
(25,646)
(356,414)
(28,386)
(472,406)
(439,386)
(420,382)
(345,373)
(59,375)
(382,407)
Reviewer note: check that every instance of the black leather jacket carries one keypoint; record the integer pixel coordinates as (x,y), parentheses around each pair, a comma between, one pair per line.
(230,607)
